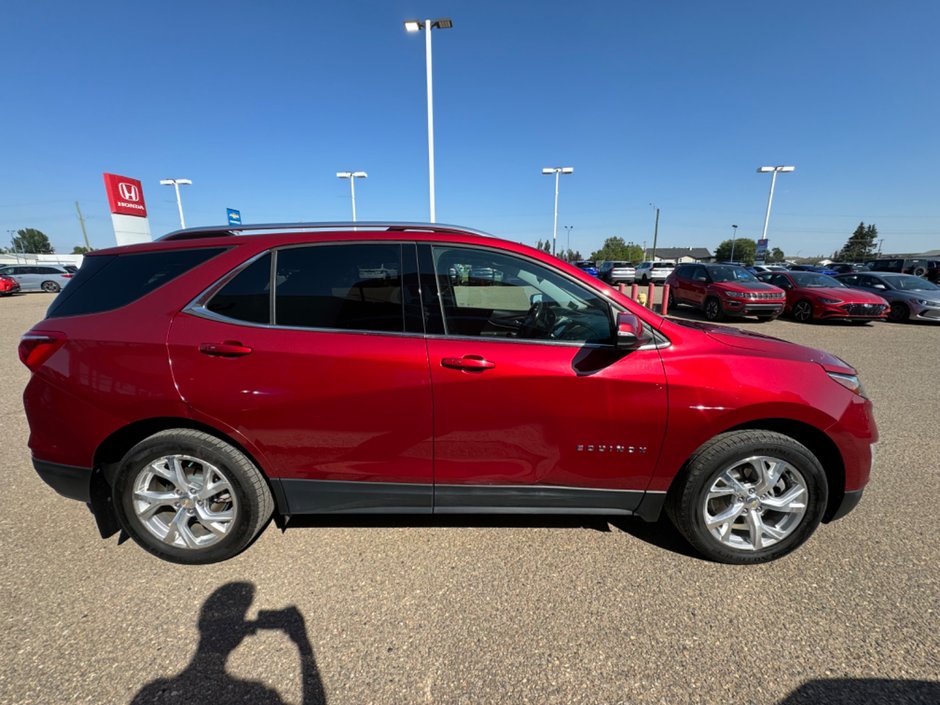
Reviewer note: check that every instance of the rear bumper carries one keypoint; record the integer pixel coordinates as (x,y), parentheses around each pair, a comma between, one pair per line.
(849,501)
(68,480)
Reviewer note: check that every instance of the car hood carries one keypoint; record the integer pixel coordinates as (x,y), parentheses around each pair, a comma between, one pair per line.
(833,292)
(770,346)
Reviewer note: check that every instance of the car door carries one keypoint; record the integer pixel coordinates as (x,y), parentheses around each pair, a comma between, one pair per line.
(325,373)
(533,407)
(23,274)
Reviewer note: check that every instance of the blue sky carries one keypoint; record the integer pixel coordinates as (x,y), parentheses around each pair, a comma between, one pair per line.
(672,103)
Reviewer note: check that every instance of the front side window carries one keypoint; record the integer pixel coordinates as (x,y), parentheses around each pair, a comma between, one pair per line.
(494,295)
(348,287)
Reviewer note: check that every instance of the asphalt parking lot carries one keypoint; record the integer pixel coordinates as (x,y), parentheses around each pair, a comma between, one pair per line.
(489,611)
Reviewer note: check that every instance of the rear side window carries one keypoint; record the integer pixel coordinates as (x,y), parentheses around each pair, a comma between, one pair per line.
(348,287)
(107,282)
(247,297)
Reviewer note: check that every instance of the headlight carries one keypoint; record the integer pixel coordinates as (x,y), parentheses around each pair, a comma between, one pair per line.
(927,302)
(827,300)
(734,294)
(850,382)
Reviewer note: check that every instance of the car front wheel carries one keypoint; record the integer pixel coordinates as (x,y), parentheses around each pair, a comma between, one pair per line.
(713,310)
(188,497)
(899,312)
(803,311)
(749,497)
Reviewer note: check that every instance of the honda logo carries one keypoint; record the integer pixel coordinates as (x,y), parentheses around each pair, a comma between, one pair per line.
(129,192)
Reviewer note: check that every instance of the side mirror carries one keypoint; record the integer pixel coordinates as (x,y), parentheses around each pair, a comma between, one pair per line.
(630,333)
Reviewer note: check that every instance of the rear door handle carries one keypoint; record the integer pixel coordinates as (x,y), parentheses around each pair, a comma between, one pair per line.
(468,362)
(229,348)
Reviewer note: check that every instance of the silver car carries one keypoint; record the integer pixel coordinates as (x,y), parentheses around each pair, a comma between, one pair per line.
(38,277)
(911,298)
(655,272)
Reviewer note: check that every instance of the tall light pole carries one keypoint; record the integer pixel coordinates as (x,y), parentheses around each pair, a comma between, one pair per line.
(352,176)
(557,171)
(176,183)
(734,237)
(773,180)
(427,26)
(568,229)
(655,233)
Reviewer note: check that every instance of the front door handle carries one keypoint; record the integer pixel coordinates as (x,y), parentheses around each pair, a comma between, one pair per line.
(468,362)
(229,348)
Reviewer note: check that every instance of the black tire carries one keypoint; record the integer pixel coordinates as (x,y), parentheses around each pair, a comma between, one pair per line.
(802,311)
(645,281)
(899,313)
(672,300)
(713,310)
(51,287)
(688,503)
(248,498)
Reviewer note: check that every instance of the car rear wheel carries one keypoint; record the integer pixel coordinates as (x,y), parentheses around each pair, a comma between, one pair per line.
(899,312)
(188,497)
(749,497)
(803,311)
(51,287)
(671,299)
(713,310)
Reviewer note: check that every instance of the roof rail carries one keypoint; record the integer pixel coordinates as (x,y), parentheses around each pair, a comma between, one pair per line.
(267,228)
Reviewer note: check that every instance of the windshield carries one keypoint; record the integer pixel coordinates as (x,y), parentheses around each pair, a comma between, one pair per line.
(811,280)
(731,274)
(908,282)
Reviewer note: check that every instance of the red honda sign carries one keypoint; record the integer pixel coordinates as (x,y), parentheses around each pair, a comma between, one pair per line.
(125,195)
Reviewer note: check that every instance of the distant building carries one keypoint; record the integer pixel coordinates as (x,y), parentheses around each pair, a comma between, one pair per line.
(682,254)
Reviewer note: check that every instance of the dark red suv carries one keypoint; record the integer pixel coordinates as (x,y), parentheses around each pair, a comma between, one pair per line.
(722,290)
(190,388)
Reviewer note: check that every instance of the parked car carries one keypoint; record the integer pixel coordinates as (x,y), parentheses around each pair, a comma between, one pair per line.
(588,266)
(818,269)
(911,298)
(38,277)
(919,267)
(722,290)
(756,269)
(846,267)
(617,272)
(818,297)
(190,388)
(655,272)
(8,285)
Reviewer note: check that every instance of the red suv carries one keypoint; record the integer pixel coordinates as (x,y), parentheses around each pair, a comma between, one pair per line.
(722,290)
(190,388)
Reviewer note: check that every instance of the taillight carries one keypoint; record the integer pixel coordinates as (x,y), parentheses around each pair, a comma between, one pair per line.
(36,348)
(67,276)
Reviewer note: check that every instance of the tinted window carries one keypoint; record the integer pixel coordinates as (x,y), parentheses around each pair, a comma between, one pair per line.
(247,297)
(494,295)
(106,282)
(730,273)
(350,287)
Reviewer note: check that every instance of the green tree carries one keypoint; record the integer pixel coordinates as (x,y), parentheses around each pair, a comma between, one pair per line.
(32,241)
(861,245)
(614,248)
(744,250)
(80,250)
(776,255)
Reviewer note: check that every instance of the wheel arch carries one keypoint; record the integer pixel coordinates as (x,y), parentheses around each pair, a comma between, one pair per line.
(818,443)
(109,453)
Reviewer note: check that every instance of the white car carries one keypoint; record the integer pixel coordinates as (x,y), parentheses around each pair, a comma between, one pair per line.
(655,272)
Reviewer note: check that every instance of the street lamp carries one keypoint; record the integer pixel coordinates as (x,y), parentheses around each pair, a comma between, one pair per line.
(427,26)
(568,229)
(557,171)
(352,176)
(655,233)
(773,180)
(176,183)
(734,237)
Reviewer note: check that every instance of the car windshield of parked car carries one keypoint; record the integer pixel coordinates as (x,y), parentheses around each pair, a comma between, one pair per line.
(730,274)
(908,282)
(811,280)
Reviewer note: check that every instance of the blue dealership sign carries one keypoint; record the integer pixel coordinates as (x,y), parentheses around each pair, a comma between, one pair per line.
(234,216)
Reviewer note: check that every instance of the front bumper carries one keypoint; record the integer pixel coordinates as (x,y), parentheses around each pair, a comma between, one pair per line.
(68,480)
(742,307)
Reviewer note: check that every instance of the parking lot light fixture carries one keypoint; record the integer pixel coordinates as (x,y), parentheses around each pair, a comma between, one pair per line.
(352,176)
(734,237)
(773,170)
(557,171)
(412,26)
(176,183)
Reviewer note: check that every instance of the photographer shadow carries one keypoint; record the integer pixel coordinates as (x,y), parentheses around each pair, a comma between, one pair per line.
(222,628)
